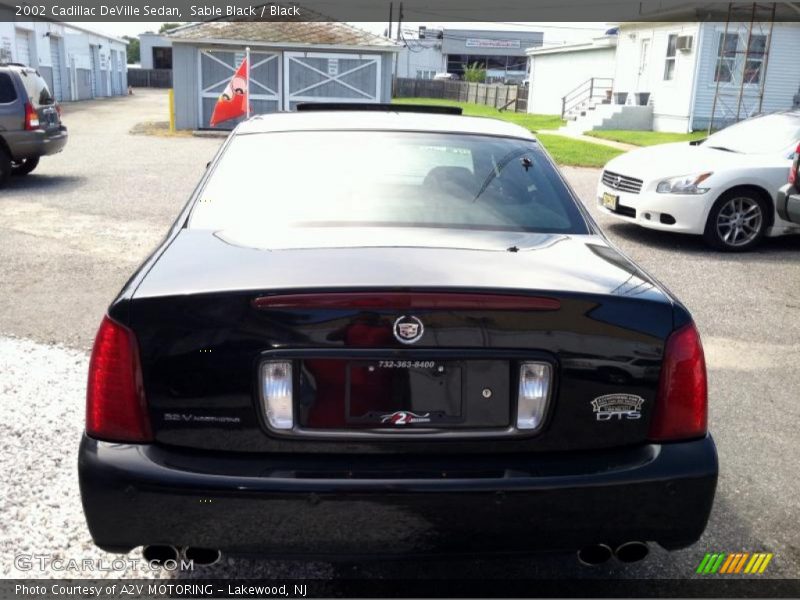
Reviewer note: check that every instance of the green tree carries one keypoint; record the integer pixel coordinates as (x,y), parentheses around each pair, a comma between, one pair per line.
(474,73)
(133,49)
(165,26)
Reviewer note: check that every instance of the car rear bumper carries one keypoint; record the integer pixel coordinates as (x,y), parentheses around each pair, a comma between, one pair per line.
(358,505)
(682,213)
(32,144)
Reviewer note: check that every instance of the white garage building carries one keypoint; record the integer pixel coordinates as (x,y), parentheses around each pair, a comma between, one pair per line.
(291,62)
(77,63)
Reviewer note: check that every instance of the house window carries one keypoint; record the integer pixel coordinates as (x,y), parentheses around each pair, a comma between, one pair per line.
(726,57)
(669,62)
(751,63)
(754,61)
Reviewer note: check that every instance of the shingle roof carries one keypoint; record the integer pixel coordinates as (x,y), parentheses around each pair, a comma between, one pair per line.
(313,33)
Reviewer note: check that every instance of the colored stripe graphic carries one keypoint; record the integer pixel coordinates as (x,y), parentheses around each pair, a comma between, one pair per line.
(734,563)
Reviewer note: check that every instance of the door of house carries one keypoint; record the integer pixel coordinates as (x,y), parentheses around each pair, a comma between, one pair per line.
(218,66)
(331,77)
(642,79)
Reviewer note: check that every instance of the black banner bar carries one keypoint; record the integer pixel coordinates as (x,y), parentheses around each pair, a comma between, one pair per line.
(717,587)
(461,11)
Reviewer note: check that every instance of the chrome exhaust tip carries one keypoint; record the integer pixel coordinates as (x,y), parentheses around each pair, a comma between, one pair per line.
(631,552)
(158,554)
(594,555)
(202,556)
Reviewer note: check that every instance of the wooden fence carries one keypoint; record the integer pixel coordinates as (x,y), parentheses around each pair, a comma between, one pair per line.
(504,97)
(155,78)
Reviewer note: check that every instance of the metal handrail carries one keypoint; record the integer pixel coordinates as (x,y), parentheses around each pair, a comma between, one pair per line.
(585,92)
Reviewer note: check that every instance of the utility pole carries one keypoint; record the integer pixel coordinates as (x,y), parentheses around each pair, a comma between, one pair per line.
(400,22)
(391,13)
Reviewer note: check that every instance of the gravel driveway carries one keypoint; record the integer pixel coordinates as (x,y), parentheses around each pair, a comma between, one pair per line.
(72,233)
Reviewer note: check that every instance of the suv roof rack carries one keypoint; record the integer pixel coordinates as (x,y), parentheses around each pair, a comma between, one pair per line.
(381,107)
(13,64)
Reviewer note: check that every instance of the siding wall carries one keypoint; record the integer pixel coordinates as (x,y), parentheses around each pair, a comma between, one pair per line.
(555,75)
(186,85)
(75,45)
(782,75)
(671,100)
(425,56)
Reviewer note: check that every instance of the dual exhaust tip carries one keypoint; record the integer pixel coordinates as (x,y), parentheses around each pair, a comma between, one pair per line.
(597,554)
(159,554)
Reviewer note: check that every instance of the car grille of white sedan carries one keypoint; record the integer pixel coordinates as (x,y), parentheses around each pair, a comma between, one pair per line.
(622,183)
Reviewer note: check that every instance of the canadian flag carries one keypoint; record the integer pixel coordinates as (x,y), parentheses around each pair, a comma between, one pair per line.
(234,101)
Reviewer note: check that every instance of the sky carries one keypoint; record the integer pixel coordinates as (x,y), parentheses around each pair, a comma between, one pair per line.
(554,32)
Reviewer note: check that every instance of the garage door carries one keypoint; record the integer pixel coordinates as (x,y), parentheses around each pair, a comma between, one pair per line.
(23,43)
(93,69)
(55,58)
(331,77)
(218,66)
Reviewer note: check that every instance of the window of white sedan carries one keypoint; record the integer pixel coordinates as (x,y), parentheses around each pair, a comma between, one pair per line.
(770,134)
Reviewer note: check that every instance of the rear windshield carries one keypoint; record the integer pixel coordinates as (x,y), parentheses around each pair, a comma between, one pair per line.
(36,88)
(385,179)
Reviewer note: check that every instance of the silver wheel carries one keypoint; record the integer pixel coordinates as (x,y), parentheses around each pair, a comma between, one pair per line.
(739,221)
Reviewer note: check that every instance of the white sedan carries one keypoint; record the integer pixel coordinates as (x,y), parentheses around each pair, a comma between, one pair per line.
(722,188)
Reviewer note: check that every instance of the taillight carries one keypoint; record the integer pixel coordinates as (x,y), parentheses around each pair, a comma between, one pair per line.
(795,167)
(276,393)
(115,404)
(681,410)
(31,117)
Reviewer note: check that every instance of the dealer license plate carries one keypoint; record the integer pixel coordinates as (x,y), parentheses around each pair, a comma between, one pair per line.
(610,201)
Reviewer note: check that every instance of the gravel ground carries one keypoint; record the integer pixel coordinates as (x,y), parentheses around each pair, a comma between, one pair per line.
(72,233)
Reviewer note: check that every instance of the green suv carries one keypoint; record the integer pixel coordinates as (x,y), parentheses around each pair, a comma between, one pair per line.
(30,121)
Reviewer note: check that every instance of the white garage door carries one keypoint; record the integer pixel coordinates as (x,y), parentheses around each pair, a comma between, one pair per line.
(331,77)
(93,69)
(23,42)
(55,58)
(218,66)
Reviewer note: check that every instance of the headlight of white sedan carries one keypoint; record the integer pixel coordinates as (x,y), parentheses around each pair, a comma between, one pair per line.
(684,184)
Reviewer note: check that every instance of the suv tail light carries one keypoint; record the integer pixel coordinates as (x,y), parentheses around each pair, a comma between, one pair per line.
(681,410)
(31,117)
(115,404)
(795,167)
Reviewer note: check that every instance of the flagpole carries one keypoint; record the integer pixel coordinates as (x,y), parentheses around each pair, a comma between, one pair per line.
(247,58)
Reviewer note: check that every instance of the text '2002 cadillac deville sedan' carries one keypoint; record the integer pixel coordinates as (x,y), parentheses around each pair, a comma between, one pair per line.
(393,332)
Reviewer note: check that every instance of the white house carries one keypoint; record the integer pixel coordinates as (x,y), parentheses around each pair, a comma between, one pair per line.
(579,71)
(673,76)
(77,63)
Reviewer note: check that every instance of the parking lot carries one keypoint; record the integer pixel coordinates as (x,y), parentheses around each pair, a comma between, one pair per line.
(74,231)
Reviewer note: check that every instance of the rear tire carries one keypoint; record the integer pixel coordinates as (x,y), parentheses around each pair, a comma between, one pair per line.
(25,166)
(737,221)
(5,166)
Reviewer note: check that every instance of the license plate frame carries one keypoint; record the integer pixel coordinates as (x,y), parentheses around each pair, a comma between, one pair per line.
(610,201)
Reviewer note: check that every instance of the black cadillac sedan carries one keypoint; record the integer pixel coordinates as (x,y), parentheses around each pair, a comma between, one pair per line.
(384,332)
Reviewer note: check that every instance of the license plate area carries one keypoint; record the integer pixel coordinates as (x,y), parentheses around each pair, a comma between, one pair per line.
(610,201)
(403,394)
